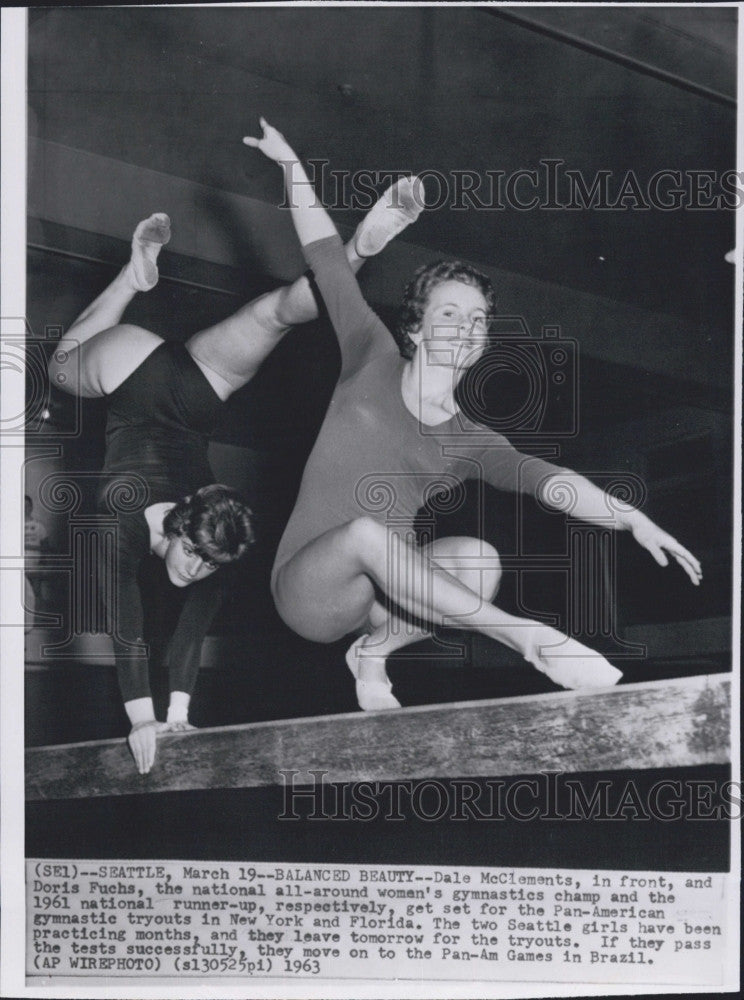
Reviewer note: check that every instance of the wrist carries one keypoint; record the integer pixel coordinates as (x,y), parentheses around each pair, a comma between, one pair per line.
(631,518)
(143,725)
(178,709)
(140,711)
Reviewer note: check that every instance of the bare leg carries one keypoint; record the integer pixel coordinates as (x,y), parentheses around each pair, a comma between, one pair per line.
(231,352)
(472,561)
(327,590)
(104,311)
(139,275)
(228,353)
(90,367)
(98,352)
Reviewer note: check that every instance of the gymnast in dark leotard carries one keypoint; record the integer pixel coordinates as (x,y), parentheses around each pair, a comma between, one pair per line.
(164,399)
(394,431)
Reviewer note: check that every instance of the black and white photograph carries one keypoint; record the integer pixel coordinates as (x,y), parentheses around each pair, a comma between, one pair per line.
(371,499)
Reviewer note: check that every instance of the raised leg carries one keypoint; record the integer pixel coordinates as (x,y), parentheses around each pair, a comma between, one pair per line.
(98,352)
(398,207)
(231,352)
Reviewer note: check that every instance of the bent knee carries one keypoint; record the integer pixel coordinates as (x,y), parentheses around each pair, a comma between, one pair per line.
(313,612)
(474,562)
(271,312)
(493,571)
(365,534)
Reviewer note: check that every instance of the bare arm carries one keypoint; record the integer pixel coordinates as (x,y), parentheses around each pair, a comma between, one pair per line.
(311,221)
(580,498)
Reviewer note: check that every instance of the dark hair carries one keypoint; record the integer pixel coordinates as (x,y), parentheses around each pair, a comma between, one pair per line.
(416,296)
(216,520)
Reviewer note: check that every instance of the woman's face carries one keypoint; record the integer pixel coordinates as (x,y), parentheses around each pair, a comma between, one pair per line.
(453,328)
(183,564)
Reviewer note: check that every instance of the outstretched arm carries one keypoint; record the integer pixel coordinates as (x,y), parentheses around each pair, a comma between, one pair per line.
(360,332)
(586,501)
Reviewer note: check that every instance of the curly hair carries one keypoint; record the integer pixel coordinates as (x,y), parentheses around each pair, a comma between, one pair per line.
(420,287)
(217,522)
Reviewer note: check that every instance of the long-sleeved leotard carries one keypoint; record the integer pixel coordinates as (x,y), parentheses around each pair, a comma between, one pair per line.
(372,456)
(157,430)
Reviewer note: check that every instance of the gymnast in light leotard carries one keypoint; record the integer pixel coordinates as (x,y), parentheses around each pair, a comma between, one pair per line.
(340,568)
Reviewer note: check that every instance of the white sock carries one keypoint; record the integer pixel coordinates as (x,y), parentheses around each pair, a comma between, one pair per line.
(149,236)
(372,696)
(572,665)
(397,208)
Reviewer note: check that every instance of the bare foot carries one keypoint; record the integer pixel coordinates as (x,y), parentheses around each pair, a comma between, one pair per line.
(373,688)
(397,208)
(149,236)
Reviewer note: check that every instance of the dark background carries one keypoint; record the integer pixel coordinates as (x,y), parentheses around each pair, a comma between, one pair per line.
(148,115)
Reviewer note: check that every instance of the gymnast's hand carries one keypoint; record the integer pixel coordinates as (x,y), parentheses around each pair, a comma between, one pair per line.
(272,144)
(658,543)
(176,726)
(142,743)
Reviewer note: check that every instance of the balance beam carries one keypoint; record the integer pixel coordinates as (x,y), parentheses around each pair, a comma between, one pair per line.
(670,723)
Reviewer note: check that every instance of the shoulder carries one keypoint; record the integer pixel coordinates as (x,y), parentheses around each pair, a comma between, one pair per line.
(152,519)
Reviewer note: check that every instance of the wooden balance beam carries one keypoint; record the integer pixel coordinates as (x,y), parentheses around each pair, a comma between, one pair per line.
(669,723)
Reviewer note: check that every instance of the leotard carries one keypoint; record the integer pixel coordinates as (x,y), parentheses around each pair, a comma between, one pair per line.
(372,456)
(157,430)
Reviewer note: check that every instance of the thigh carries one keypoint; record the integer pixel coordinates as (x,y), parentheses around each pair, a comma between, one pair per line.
(100,365)
(231,352)
(323,591)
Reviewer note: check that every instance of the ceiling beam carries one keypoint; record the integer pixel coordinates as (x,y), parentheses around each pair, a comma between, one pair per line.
(629,62)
